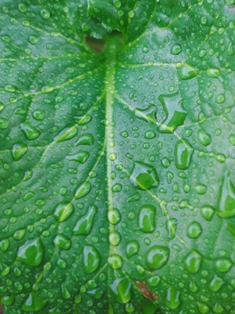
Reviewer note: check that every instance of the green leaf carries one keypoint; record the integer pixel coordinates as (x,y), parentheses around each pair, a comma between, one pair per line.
(117,168)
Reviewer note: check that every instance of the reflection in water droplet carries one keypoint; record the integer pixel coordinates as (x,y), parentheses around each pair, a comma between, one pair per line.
(203,308)
(34,303)
(157,256)
(207,212)
(203,137)
(31,253)
(171,226)
(121,290)
(227,197)
(83,119)
(38,114)
(66,134)
(30,132)
(176,49)
(114,216)
(63,211)
(193,262)
(84,224)
(62,241)
(134,197)
(223,264)
(216,283)
(172,299)
(200,188)
(85,139)
(7,300)
(187,72)
(175,114)
(45,14)
(114,238)
(213,72)
(144,176)
(148,114)
(83,190)
(81,156)
(146,218)
(115,261)
(22,7)
(91,259)
(19,149)
(194,230)
(183,154)
(132,248)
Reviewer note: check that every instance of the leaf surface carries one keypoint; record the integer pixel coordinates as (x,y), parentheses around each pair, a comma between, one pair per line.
(117,172)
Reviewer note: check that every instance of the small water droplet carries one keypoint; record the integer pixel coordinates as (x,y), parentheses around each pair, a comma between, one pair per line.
(7,300)
(30,131)
(157,256)
(4,244)
(150,135)
(114,238)
(220,99)
(176,49)
(194,230)
(132,248)
(85,139)
(144,176)
(223,264)
(172,299)
(45,14)
(38,114)
(183,154)
(146,218)
(187,72)
(121,290)
(83,119)
(227,197)
(33,40)
(19,149)
(22,7)
(193,262)
(19,234)
(217,308)
(134,197)
(91,259)
(115,261)
(65,292)
(66,134)
(200,188)
(31,253)
(84,224)
(62,241)
(63,211)
(207,212)
(114,216)
(203,137)
(81,156)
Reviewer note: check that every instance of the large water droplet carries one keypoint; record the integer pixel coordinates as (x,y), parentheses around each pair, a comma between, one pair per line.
(227,197)
(203,308)
(175,114)
(38,114)
(83,190)
(148,114)
(217,308)
(193,262)
(115,261)
(85,139)
(7,300)
(172,299)
(85,223)
(30,131)
(194,230)
(83,119)
(63,211)
(62,241)
(157,256)
(183,154)
(45,14)
(91,259)
(147,218)
(203,137)
(216,283)
(132,248)
(66,134)
(223,264)
(144,176)
(114,238)
(19,149)
(81,156)
(176,49)
(34,303)
(171,226)
(207,212)
(31,253)
(187,72)
(114,216)
(121,290)
(213,72)
(4,244)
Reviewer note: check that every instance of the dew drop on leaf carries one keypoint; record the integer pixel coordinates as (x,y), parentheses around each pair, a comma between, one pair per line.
(194,230)
(85,139)
(63,211)
(115,261)
(216,283)
(146,219)
(157,256)
(223,264)
(187,72)
(62,241)
(34,303)
(227,197)
(132,248)
(121,290)
(172,299)
(84,224)
(144,176)
(183,154)
(30,131)
(31,252)
(193,262)
(19,149)
(91,259)
(3,123)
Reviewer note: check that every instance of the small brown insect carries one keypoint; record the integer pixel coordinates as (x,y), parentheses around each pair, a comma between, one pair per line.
(144,289)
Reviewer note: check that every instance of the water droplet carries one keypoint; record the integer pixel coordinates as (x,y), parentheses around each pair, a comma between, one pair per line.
(217,308)
(91,259)
(19,234)
(117,3)
(115,261)
(81,156)
(29,131)
(203,137)
(9,87)
(220,99)
(34,303)
(62,241)
(227,197)
(117,187)
(114,238)
(132,248)
(216,283)
(187,72)
(172,299)
(183,154)
(223,264)
(7,300)
(150,135)
(66,134)
(4,244)
(193,262)
(83,119)
(19,149)
(202,308)
(31,253)
(144,177)
(61,263)
(176,49)
(84,224)
(3,123)
(148,114)
(207,212)
(194,230)
(192,286)
(114,216)
(85,139)
(175,114)
(83,190)
(45,14)
(232,139)
(171,226)
(157,256)
(63,211)
(33,40)
(146,218)
(38,114)
(213,73)
(22,7)
(121,290)
(134,197)
(230,49)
